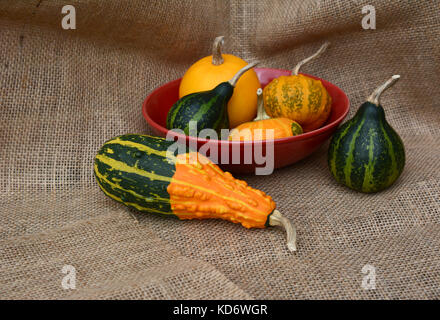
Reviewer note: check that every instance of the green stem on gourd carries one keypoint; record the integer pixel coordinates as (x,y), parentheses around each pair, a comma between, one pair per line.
(217,58)
(261,113)
(277,219)
(240,72)
(374,98)
(315,55)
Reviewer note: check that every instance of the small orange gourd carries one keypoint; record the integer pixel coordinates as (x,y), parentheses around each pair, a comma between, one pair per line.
(299,98)
(259,128)
(212,70)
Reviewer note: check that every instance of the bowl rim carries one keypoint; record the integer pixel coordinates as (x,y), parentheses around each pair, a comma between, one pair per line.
(303,136)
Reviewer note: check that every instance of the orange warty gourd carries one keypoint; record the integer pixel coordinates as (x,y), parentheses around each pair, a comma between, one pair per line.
(199,189)
(210,71)
(258,129)
(299,98)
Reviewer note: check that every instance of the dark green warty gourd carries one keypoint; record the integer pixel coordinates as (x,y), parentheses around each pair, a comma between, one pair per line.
(207,108)
(366,154)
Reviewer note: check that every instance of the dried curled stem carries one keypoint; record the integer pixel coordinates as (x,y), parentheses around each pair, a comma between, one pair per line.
(374,98)
(240,72)
(315,55)
(217,58)
(277,219)
(261,113)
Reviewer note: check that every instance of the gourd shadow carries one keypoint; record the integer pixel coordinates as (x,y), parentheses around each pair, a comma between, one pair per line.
(146,217)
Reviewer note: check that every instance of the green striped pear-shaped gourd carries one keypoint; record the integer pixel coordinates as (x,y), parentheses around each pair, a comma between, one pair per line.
(208,109)
(366,154)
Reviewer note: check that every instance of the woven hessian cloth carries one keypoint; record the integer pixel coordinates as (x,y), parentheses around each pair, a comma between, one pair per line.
(63,93)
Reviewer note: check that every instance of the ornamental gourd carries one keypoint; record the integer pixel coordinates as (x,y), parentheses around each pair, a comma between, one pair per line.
(299,97)
(259,128)
(142,173)
(204,110)
(210,71)
(366,154)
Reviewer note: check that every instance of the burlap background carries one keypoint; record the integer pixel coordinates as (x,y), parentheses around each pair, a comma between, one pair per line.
(63,93)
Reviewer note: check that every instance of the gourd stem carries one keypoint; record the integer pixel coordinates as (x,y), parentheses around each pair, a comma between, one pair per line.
(318,53)
(240,72)
(261,113)
(277,219)
(374,98)
(217,58)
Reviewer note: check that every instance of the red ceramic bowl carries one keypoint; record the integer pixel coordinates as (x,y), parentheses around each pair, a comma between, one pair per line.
(285,151)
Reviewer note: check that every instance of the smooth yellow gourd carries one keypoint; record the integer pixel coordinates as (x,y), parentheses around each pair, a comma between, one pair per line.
(210,71)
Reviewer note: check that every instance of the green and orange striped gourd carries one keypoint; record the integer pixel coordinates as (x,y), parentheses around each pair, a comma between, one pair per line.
(142,172)
(366,154)
(299,97)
